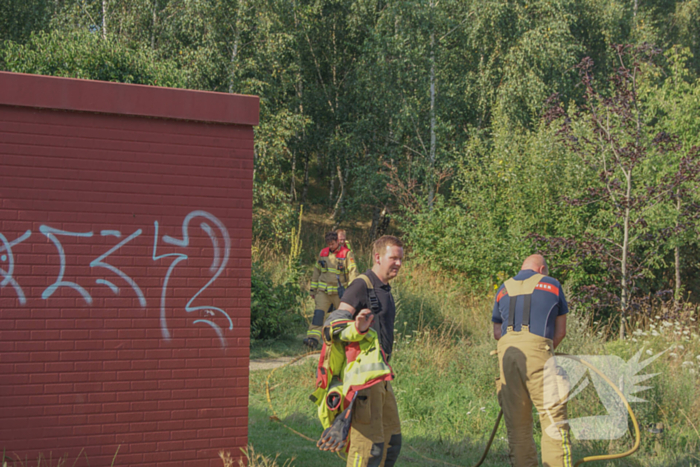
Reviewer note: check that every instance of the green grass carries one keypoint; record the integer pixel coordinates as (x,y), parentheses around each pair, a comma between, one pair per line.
(445,377)
(446,394)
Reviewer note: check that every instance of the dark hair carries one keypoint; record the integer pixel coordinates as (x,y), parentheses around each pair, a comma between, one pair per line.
(331,237)
(384,241)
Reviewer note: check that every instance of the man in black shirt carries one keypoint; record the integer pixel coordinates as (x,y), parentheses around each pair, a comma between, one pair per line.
(375,436)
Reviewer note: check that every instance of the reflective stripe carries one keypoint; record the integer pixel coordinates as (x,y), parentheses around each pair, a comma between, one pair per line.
(367,368)
(566,446)
(313,332)
(358,460)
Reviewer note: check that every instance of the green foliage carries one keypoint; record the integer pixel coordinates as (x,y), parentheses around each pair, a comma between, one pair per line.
(84,54)
(274,308)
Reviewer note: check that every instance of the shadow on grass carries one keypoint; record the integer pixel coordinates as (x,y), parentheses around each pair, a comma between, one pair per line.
(271,438)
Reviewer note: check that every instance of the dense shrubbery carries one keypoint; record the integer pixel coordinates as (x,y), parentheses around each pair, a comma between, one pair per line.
(274,308)
(84,54)
(562,189)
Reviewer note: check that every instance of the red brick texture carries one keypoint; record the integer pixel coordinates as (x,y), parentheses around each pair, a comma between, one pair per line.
(124,272)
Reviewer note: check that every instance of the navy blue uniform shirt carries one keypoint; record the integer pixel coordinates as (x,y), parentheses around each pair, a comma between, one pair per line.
(547,303)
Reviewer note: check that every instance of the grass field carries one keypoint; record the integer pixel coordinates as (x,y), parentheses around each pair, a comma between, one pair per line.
(445,385)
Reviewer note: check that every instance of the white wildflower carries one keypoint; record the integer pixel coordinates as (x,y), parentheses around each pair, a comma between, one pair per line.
(681,347)
(657,317)
(654,333)
(698,357)
(666,323)
(652,326)
(649,352)
(673,354)
(687,364)
(634,340)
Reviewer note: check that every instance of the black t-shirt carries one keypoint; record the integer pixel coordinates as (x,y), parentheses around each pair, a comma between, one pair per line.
(356,297)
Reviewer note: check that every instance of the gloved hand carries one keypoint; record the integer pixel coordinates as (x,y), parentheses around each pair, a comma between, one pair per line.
(310,342)
(334,437)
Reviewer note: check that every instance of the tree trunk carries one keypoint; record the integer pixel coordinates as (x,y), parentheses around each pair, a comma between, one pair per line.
(431,193)
(677,254)
(153,28)
(236,40)
(305,191)
(337,207)
(624,282)
(292,188)
(104,19)
(384,223)
(234,56)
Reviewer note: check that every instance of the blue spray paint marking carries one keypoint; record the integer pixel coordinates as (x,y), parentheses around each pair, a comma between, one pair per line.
(207,228)
(3,257)
(113,233)
(218,261)
(99,263)
(114,288)
(8,279)
(178,258)
(51,233)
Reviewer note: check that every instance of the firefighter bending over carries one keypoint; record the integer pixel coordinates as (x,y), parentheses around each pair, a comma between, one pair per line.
(334,269)
(529,317)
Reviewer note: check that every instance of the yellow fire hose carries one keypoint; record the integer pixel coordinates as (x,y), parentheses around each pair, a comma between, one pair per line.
(498,420)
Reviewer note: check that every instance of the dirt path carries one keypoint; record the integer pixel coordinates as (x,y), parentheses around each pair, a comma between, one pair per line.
(259,364)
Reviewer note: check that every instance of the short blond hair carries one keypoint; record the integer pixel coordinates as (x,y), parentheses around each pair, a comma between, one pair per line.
(384,241)
(341,230)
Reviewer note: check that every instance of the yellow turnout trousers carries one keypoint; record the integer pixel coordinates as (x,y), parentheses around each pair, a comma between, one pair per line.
(325,303)
(526,379)
(375,436)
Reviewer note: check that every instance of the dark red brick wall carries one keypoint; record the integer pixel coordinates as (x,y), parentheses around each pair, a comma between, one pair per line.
(145,349)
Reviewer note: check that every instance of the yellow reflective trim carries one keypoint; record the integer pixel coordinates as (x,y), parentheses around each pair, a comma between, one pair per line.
(566,446)
(358,460)
(313,332)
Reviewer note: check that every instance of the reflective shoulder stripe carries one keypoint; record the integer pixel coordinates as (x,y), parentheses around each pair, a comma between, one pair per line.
(551,288)
(501,294)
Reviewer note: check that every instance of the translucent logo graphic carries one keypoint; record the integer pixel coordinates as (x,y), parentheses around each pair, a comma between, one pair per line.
(567,378)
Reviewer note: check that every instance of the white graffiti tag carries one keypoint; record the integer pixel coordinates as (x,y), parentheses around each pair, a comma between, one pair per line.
(219,262)
(51,234)
(9,257)
(99,262)
(213,227)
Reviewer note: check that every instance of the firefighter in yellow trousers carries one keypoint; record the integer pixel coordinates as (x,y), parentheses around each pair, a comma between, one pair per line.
(334,270)
(529,322)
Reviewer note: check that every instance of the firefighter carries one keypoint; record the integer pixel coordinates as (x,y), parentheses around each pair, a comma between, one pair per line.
(335,268)
(342,239)
(375,432)
(529,322)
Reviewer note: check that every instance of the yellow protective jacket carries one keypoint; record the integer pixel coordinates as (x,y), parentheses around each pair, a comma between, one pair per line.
(350,361)
(333,269)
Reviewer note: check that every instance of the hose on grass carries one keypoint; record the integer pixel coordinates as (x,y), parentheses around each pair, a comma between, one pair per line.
(601,457)
(605,457)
